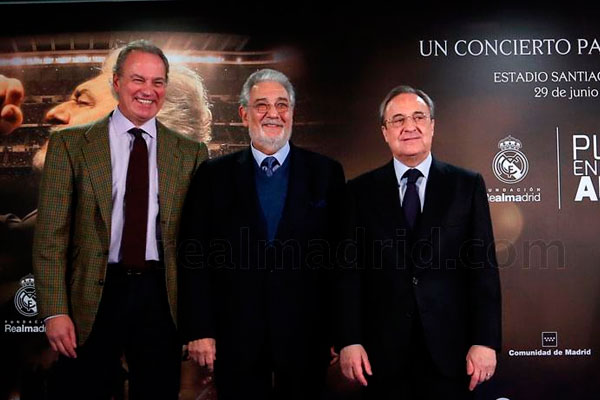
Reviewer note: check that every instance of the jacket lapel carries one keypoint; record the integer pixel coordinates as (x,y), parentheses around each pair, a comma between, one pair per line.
(247,197)
(388,199)
(168,159)
(436,200)
(298,194)
(97,158)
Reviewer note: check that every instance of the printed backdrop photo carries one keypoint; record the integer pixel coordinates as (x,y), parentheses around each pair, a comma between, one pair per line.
(517,98)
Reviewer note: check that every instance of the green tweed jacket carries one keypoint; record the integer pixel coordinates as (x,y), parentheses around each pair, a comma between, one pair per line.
(72,237)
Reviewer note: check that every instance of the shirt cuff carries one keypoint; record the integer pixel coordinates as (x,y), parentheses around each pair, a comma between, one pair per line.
(52,316)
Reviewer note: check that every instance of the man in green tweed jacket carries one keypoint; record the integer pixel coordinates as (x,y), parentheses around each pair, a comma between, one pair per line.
(105,243)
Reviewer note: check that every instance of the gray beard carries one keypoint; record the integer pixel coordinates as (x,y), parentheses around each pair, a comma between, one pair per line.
(273,144)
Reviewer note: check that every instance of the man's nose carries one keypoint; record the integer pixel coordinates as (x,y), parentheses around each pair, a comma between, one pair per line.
(58,115)
(409,123)
(272,112)
(147,88)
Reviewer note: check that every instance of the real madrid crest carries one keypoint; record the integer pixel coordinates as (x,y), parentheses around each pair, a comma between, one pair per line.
(510,165)
(25,297)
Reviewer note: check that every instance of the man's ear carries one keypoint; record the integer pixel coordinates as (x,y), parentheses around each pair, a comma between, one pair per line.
(384,132)
(244,115)
(115,82)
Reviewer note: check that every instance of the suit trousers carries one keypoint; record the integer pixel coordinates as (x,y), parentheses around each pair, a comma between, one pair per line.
(266,380)
(417,378)
(133,320)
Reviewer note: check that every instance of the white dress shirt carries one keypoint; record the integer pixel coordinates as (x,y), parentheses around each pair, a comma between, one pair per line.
(121,143)
(280,154)
(423,167)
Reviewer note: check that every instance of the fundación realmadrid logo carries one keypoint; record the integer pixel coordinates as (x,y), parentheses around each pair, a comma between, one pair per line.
(510,165)
(25,297)
(26,305)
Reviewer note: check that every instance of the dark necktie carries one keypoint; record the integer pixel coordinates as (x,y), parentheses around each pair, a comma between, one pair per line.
(269,165)
(411,204)
(133,241)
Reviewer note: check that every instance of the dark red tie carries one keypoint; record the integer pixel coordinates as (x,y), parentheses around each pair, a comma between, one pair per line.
(133,241)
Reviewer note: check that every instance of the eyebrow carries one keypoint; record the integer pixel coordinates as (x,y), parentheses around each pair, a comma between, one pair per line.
(278,99)
(404,115)
(79,92)
(162,78)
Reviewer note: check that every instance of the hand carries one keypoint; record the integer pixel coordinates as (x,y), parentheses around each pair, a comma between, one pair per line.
(334,356)
(61,334)
(353,360)
(204,352)
(11,97)
(481,364)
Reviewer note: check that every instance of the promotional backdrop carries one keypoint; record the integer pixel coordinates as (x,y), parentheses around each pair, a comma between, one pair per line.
(517,99)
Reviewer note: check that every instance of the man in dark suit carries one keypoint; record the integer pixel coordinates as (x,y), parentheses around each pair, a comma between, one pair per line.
(420,310)
(104,248)
(261,225)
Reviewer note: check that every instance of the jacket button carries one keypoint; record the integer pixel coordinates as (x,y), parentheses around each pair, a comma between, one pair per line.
(101,282)
(415,281)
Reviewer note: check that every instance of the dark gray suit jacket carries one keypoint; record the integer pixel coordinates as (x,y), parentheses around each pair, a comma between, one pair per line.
(245,292)
(445,273)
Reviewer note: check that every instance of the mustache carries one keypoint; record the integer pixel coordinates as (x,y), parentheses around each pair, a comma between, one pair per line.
(268,120)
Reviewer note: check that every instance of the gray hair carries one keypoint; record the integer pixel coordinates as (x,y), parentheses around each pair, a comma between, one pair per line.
(143,46)
(403,89)
(186,107)
(266,75)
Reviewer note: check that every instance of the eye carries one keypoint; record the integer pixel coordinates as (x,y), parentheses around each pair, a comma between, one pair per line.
(83,101)
(282,107)
(261,107)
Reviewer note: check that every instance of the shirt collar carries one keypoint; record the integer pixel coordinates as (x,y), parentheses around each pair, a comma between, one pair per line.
(423,167)
(122,124)
(280,154)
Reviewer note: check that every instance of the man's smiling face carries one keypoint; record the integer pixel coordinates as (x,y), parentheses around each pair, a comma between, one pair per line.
(268,116)
(141,87)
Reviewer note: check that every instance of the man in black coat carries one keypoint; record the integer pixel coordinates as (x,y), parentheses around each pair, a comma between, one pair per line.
(256,260)
(420,306)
